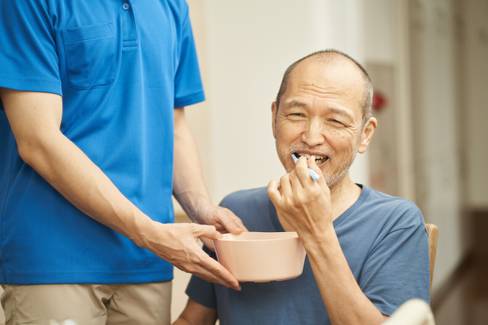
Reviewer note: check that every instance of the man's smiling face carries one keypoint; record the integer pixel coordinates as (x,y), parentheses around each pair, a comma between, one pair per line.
(321,114)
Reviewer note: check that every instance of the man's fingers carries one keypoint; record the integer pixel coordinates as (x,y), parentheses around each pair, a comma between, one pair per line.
(209,243)
(214,270)
(285,186)
(239,226)
(302,172)
(231,226)
(201,264)
(206,231)
(296,186)
(239,223)
(231,222)
(273,192)
(211,277)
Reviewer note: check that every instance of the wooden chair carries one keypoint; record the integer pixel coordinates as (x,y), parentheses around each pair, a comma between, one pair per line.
(415,311)
(433,235)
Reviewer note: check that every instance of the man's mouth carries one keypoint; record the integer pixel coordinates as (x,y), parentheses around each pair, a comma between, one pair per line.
(319,158)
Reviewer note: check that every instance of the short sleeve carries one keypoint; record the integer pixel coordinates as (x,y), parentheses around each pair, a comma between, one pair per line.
(202,292)
(188,83)
(28,57)
(398,267)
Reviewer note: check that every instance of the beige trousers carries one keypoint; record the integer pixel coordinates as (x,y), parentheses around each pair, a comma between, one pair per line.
(132,304)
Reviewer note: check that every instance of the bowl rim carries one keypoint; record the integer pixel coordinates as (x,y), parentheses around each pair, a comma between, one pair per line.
(290,235)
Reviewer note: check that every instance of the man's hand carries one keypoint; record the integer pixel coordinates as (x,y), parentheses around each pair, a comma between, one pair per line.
(302,204)
(224,220)
(221,218)
(178,244)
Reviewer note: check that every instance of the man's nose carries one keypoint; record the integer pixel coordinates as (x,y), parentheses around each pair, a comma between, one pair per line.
(313,135)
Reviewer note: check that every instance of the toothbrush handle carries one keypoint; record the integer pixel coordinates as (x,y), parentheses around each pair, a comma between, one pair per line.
(313,174)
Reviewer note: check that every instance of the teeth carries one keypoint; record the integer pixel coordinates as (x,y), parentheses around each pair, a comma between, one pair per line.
(318,159)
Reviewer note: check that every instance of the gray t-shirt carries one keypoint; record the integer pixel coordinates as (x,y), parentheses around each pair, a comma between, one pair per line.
(383,239)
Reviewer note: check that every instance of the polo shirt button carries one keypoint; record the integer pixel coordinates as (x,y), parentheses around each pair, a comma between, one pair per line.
(125,6)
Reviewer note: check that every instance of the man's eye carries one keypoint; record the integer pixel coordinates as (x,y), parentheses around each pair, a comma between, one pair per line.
(336,122)
(296,115)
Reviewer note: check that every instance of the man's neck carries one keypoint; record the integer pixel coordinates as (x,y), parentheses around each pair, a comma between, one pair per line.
(343,196)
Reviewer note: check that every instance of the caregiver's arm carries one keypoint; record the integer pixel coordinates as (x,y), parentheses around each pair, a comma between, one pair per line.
(189,188)
(35,120)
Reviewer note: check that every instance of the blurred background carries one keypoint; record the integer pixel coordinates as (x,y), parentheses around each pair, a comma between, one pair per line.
(428,62)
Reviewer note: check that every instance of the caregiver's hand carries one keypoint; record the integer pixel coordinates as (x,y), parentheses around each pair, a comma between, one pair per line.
(178,244)
(224,220)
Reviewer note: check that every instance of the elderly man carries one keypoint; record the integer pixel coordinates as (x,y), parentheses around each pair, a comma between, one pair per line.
(367,251)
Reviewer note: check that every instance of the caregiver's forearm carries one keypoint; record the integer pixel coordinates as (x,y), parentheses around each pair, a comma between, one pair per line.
(188,185)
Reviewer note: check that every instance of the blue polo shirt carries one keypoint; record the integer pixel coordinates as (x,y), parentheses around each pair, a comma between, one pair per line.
(121,68)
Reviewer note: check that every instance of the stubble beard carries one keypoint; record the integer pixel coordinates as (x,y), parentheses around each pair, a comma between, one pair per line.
(335,179)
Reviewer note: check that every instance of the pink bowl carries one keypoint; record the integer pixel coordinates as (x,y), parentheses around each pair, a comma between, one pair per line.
(261,256)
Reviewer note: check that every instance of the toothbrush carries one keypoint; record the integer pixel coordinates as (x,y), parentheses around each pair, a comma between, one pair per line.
(311,172)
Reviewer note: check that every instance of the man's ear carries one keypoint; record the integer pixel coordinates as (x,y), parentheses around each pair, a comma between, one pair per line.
(274,110)
(367,134)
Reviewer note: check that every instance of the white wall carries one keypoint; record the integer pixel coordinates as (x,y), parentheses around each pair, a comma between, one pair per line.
(475,100)
(436,127)
(386,53)
(380,31)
